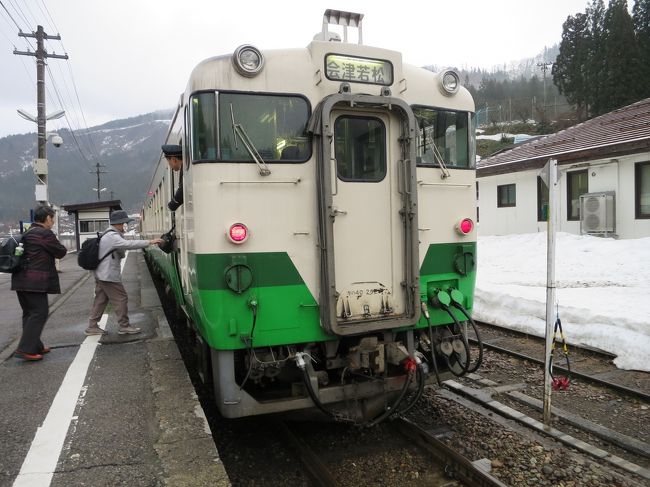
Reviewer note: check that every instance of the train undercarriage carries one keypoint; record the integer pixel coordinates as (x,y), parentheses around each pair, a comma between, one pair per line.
(361,380)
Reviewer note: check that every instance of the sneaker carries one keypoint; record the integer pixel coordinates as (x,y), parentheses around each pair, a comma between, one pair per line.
(95,330)
(31,357)
(129,330)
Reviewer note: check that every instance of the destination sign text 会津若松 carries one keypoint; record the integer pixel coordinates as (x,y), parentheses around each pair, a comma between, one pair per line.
(358,70)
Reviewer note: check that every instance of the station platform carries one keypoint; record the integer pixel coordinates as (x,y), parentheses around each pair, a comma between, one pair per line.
(100,410)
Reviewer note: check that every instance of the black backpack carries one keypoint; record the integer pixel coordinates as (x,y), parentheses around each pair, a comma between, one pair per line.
(88,256)
(9,261)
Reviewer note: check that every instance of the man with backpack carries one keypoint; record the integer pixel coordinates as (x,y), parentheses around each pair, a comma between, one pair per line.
(108,275)
(35,279)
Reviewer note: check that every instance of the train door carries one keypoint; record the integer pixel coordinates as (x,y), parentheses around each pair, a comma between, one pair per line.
(186,214)
(369,223)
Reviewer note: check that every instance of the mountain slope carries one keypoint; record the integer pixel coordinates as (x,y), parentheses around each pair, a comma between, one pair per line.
(127,149)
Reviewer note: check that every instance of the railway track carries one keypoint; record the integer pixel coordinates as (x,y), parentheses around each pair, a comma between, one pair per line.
(445,463)
(604,412)
(456,465)
(531,348)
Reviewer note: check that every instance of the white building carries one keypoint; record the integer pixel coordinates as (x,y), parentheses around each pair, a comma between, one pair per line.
(604,186)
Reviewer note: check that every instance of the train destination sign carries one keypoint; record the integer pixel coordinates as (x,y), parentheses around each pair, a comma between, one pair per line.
(359,70)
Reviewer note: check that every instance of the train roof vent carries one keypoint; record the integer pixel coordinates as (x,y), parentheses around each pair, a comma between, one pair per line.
(345,19)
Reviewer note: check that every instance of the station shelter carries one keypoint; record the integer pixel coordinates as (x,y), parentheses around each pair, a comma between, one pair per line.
(91,218)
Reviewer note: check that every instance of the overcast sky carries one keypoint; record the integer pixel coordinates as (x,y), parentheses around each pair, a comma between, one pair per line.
(133,57)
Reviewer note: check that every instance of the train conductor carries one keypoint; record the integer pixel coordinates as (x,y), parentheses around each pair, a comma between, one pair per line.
(174,155)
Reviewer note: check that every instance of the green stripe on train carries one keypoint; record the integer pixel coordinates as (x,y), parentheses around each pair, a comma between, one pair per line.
(287,312)
(445,266)
(269,269)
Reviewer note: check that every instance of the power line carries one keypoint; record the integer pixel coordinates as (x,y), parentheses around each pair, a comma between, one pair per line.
(49,15)
(10,16)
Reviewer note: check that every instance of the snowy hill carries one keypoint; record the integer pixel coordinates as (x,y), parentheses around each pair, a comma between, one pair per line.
(128,150)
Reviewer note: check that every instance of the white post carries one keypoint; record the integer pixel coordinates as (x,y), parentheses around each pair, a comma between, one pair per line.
(550,283)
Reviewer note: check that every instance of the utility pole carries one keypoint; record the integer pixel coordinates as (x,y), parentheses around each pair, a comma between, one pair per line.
(549,174)
(40,164)
(98,171)
(544,67)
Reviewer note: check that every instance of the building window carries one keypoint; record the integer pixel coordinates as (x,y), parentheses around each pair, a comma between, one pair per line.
(577,185)
(642,189)
(542,200)
(506,196)
(92,226)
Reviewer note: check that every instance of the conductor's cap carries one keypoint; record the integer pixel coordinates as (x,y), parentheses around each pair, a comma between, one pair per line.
(172,150)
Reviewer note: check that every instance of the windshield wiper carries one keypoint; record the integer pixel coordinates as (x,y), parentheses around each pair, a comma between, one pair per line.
(441,162)
(239,131)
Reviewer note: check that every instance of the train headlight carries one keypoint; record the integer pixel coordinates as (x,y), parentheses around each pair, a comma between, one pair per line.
(465,226)
(237,233)
(449,81)
(248,60)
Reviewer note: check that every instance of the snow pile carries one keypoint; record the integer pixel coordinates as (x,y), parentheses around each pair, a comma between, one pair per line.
(603,290)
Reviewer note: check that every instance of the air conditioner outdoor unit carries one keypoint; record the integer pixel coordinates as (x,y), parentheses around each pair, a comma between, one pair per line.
(598,213)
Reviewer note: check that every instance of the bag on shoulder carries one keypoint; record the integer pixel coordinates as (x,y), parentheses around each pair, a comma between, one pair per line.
(9,261)
(88,257)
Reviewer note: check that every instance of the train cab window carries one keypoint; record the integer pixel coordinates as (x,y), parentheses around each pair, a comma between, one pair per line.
(360,149)
(204,127)
(233,127)
(446,135)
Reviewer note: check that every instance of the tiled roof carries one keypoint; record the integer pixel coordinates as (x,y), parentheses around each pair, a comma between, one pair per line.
(619,132)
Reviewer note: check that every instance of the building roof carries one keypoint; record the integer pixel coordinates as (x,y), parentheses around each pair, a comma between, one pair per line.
(623,131)
(110,204)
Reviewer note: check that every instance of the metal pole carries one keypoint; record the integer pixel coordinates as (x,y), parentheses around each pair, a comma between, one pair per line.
(40,54)
(40,92)
(550,285)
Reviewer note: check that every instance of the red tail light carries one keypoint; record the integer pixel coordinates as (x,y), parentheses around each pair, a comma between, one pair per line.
(465,226)
(238,233)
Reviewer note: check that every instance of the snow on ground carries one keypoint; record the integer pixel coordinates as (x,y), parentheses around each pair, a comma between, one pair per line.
(603,290)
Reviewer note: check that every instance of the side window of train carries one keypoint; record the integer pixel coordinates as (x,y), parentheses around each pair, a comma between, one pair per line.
(275,125)
(443,134)
(185,138)
(360,149)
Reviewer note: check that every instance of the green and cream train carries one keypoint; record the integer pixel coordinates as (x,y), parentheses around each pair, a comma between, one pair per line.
(325,251)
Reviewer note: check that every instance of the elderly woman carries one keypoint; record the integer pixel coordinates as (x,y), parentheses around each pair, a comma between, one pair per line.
(37,278)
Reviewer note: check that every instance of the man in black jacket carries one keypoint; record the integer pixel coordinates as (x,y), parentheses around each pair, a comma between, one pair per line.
(35,280)
(174,155)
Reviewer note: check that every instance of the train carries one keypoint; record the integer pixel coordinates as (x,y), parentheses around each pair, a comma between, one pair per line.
(324,257)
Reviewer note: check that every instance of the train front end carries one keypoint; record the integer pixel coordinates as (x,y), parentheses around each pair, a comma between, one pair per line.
(327,248)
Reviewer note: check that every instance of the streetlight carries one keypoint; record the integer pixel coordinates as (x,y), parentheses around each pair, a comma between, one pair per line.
(98,192)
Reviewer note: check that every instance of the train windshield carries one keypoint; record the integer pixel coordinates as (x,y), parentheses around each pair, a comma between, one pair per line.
(275,124)
(444,135)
